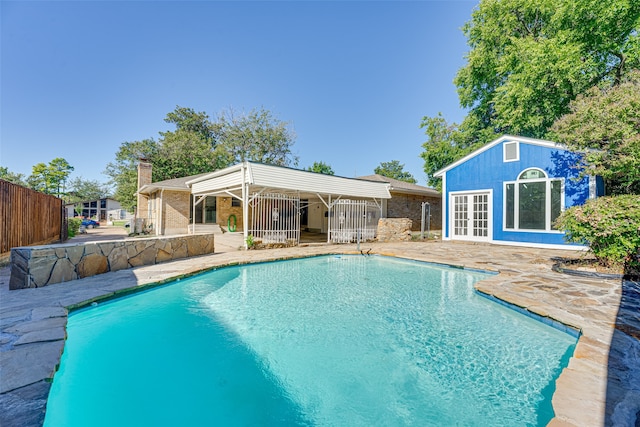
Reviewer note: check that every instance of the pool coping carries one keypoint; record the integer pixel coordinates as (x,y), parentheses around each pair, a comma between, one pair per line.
(26,403)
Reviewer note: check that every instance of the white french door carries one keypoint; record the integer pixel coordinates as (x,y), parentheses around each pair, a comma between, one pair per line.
(470,216)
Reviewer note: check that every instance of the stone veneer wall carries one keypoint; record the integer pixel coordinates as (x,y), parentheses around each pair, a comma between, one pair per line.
(410,206)
(394,230)
(37,266)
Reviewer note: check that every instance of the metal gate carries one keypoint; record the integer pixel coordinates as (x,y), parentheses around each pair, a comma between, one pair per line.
(353,220)
(275,218)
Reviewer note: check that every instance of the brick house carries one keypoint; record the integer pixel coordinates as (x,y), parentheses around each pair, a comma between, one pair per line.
(277,203)
(406,201)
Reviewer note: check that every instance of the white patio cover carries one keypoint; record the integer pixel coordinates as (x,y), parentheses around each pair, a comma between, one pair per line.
(244,179)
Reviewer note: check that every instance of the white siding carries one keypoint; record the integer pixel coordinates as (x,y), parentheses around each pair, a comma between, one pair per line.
(275,177)
(292,179)
(230,180)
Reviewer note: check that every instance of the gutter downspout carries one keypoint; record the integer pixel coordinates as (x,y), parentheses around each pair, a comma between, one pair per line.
(159,230)
(193,215)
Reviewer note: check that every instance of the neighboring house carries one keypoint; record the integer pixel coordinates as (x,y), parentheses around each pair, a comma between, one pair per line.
(406,202)
(100,210)
(511,191)
(278,203)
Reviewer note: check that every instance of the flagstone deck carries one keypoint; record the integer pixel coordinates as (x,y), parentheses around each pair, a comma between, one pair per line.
(600,387)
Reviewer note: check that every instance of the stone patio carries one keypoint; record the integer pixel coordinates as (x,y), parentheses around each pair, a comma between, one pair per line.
(600,387)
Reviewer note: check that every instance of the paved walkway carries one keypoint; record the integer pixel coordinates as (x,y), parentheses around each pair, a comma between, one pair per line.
(600,387)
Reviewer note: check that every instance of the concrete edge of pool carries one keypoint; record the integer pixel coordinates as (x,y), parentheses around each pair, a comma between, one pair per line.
(599,387)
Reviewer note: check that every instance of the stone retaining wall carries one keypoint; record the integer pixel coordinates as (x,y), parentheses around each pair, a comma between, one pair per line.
(37,266)
(394,230)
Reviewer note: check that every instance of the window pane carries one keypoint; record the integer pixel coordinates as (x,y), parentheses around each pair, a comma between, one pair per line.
(532,203)
(556,201)
(509,206)
(210,210)
(510,151)
(532,174)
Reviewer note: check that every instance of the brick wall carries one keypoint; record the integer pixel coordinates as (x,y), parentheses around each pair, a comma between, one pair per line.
(175,206)
(410,206)
(224,210)
(144,178)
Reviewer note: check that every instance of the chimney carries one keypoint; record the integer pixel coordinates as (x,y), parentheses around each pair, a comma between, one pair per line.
(144,178)
(144,172)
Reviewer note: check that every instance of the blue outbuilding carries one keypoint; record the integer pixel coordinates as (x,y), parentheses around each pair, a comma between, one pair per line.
(511,190)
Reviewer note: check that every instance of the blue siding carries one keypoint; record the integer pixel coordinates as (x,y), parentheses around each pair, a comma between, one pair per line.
(488,171)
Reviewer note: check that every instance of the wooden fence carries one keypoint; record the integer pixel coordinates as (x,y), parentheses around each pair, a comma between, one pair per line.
(28,217)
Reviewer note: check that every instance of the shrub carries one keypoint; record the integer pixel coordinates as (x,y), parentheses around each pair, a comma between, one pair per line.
(609,225)
(73,225)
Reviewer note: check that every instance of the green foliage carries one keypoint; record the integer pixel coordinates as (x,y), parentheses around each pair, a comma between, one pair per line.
(445,144)
(51,178)
(184,153)
(83,190)
(609,225)
(124,170)
(530,59)
(16,178)
(605,124)
(257,136)
(394,169)
(199,145)
(73,225)
(321,167)
(187,120)
(250,241)
(527,61)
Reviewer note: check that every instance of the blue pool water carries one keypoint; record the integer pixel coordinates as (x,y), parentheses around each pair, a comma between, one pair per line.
(325,341)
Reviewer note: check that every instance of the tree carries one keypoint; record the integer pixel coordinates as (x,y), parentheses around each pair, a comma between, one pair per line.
(257,137)
(51,178)
(321,167)
(443,146)
(184,153)
(394,169)
(83,190)
(124,170)
(188,120)
(529,59)
(198,145)
(605,125)
(16,178)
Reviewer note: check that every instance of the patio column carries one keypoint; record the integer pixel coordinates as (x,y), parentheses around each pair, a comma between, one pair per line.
(245,206)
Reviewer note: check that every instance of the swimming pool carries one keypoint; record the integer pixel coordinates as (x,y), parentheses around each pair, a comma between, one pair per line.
(325,341)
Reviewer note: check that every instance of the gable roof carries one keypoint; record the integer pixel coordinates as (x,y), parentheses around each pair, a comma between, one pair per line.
(176,184)
(398,186)
(532,141)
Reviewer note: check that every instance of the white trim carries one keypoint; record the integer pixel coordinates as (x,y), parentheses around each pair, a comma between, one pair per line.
(546,176)
(593,189)
(521,139)
(504,151)
(444,208)
(451,213)
(516,203)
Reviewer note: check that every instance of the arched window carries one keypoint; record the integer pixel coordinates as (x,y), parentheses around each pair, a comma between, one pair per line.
(533,201)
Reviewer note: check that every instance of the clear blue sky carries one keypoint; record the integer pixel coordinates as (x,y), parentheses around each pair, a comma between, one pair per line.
(354,78)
